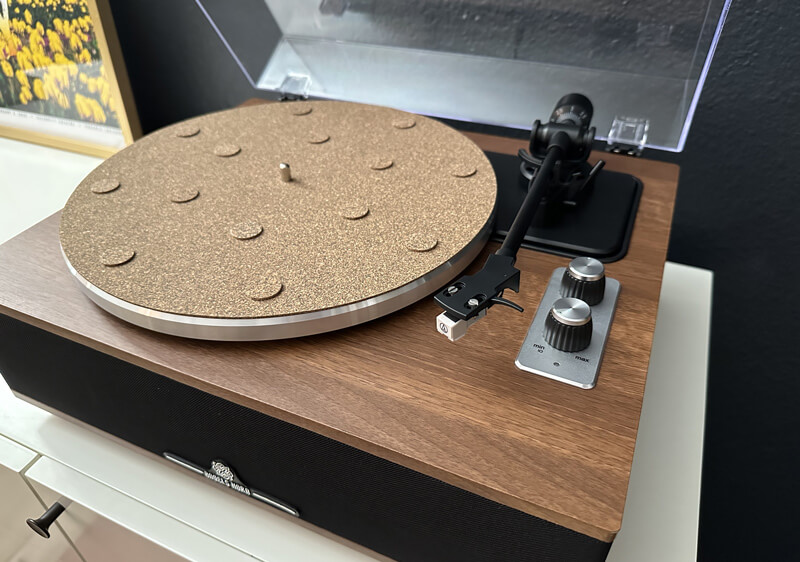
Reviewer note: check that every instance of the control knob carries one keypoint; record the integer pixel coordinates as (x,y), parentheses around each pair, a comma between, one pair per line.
(568,326)
(584,279)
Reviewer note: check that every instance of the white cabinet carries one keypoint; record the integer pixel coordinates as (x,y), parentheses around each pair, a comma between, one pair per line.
(18,542)
(98,524)
(105,524)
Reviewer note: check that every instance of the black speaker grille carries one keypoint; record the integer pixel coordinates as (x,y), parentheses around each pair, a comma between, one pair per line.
(393,510)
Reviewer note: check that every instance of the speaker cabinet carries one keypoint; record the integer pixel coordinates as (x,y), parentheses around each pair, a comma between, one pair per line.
(388,508)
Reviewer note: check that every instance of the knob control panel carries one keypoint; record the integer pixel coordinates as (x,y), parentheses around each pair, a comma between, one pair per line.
(568,335)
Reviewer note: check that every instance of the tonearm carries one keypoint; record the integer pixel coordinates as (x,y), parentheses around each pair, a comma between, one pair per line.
(558,172)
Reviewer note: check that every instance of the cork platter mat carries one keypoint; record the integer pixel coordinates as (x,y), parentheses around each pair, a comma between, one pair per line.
(279,220)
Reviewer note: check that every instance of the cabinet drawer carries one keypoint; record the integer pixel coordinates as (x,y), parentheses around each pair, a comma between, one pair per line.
(105,524)
(18,542)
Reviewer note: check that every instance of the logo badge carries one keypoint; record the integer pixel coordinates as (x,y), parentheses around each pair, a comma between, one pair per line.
(222,470)
(221,473)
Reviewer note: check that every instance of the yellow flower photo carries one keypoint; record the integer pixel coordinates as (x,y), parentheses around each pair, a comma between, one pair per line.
(57,83)
(53,41)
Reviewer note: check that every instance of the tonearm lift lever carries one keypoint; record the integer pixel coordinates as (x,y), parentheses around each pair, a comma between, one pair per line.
(558,170)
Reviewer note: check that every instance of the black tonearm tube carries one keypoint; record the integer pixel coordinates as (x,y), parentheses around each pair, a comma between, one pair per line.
(557,149)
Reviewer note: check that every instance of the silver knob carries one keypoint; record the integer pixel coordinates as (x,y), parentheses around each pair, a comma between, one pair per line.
(584,279)
(568,327)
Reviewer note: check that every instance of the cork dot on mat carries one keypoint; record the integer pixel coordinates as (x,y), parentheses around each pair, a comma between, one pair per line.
(381,164)
(419,242)
(354,210)
(465,171)
(300,109)
(318,138)
(227,150)
(404,123)
(266,289)
(246,230)
(184,195)
(187,130)
(104,186)
(116,256)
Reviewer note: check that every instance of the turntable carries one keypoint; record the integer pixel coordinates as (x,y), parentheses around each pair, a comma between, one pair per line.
(280,220)
(343,310)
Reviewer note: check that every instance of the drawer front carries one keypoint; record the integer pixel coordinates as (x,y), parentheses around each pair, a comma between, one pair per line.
(18,542)
(105,524)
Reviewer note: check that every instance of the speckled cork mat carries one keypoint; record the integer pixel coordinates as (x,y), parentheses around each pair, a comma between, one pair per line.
(198,218)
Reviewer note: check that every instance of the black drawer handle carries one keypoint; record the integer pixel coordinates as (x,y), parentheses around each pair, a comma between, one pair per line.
(42,525)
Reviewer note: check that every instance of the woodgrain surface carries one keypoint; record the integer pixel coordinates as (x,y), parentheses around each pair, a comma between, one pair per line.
(394,387)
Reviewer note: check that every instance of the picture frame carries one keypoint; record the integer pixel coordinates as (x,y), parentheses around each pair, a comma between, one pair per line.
(62,77)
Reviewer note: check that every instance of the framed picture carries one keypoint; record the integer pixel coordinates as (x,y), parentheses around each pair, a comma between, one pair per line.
(62,79)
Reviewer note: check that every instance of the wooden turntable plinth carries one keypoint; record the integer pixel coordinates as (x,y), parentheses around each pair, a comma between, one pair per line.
(459,412)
